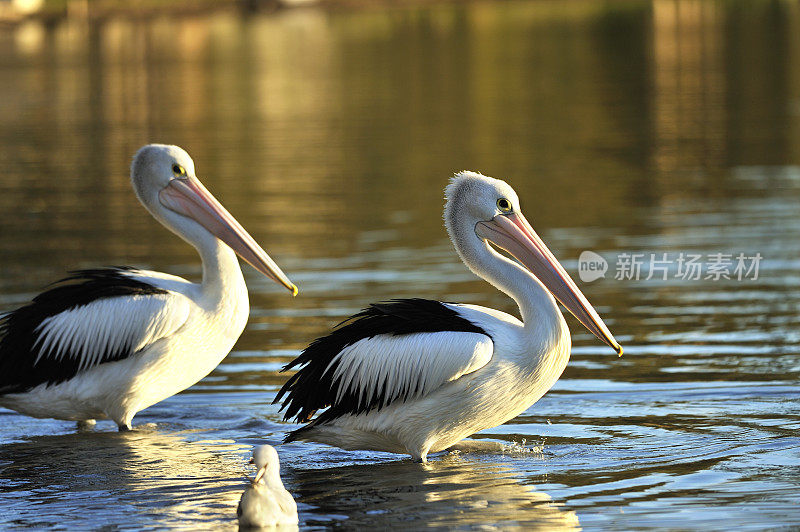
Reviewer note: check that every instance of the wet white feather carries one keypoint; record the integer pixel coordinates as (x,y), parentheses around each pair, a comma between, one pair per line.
(418,363)
(109,325)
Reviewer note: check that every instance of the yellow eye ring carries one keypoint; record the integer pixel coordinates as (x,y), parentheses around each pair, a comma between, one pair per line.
(504,205)
(178,170)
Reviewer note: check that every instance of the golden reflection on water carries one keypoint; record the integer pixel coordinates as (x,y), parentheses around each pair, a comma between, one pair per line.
(175,479)
(688,61)
(148,474)
(314,126)
(452,491)
(476,495)
(332,133)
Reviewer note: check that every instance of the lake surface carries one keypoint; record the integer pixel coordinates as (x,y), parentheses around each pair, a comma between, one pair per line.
(628,129)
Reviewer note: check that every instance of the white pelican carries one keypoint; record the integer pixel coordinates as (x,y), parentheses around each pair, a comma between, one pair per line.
(416,376)
(107,343)
(266,503)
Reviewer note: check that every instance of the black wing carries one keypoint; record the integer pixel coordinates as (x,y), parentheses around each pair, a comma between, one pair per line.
(313,388)
(23,364)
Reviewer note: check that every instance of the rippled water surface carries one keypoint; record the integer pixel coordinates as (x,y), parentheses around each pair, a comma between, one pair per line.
(630,129)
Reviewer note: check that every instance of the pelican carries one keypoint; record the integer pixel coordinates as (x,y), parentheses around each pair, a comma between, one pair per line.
(417,376)
(266,503)
(107,343)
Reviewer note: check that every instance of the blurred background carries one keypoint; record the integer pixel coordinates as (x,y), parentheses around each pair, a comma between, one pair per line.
(329,131)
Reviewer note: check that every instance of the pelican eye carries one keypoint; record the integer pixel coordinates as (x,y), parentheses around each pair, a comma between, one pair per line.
(504,205)
(178,170)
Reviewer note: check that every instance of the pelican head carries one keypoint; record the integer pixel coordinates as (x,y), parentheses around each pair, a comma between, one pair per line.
(484,208)
(265,458)
(164,180)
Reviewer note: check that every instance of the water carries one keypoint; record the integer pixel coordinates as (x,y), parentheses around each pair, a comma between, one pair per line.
(651,128)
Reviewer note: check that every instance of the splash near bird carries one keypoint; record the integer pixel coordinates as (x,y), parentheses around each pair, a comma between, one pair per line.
(416,376)
(266,503)
(107,343)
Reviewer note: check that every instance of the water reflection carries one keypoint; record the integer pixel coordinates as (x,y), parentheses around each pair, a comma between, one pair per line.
(308,98)
(95,479)
(456,491)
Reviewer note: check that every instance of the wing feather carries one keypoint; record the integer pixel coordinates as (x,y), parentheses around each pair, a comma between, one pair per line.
(121,324)
(90,318)
(389,352)
(384,368)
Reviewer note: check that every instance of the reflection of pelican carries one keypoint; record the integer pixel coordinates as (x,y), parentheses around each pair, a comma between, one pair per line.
(266,502)
(150,478)
(452,493)
(107,343)
(416,376)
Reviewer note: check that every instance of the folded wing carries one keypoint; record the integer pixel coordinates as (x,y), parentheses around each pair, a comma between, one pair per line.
(389,352)
(91,318)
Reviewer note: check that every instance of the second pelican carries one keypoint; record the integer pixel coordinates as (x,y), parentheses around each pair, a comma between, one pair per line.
(416,376)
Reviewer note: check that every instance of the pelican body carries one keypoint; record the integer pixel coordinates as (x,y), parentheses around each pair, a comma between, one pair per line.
(107,343)
(417,376)
(266,503)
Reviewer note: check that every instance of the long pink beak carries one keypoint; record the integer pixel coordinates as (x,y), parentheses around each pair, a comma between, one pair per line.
(513,233)
(188,197)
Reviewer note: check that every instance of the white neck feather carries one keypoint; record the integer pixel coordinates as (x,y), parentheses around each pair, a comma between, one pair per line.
(222,274)
(538,308)
(534,301)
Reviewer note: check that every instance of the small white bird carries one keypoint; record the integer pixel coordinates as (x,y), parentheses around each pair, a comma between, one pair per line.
(416,376)
(266,503)
(109,342)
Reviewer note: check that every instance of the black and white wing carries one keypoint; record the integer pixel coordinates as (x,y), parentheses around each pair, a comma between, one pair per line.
(87,319)
(389,352)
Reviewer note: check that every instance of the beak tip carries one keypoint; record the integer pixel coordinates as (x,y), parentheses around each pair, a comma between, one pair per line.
(619,350)
(295,291)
